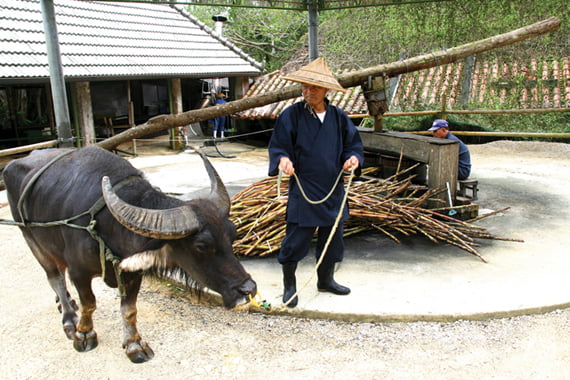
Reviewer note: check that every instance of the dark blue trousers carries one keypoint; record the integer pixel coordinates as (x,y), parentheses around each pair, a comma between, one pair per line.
(297,242)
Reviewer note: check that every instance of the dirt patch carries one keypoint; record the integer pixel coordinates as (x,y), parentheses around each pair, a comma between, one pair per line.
(194,341)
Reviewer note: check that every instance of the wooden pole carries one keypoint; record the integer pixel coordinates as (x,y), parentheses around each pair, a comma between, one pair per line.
(27,148)
(469,112)
(453,54)
(162,122)
(538,135)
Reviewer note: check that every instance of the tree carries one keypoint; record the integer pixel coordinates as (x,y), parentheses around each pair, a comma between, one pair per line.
(361,37)
(270,36)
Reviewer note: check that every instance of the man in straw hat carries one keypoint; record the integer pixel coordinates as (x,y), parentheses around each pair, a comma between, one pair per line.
(316,141)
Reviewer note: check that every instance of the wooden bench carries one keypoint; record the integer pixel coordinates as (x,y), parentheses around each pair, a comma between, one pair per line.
(468,184)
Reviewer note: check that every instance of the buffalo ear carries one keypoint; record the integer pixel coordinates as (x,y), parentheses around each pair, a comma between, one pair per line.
(145,260)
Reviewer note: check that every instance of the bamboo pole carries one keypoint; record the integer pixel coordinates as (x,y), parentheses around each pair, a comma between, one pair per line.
(162,122)
(544,135)
(446,56)
(467,112)
(27,148)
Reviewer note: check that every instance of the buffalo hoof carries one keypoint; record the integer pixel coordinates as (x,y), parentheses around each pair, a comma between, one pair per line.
(69,328)
(139,352)
(84,342)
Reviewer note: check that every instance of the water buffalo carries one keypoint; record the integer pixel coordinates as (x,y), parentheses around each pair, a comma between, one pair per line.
(144,229)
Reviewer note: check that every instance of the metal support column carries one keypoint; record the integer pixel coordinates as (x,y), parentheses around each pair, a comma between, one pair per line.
(313,30)
(57,80)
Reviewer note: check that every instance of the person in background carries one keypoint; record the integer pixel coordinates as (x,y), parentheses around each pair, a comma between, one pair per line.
(440,129)
(220,122)
(316,141)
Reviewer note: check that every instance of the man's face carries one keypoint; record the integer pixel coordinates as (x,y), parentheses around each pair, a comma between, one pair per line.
(314,95)
(440,133)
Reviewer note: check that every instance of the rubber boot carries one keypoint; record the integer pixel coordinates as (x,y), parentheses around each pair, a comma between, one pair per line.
(326,282)
(290,284)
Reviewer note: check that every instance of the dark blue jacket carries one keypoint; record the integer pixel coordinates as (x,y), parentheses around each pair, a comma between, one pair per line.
(318,152)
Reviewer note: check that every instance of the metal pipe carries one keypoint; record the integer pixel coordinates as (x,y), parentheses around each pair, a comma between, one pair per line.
(544,135)
(57,80)
(313,30)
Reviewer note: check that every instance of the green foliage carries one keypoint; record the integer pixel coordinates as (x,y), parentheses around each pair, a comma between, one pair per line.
(362,37)
(546,123)
(270,36)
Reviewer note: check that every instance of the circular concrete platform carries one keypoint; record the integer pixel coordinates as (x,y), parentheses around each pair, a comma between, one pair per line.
(420,280)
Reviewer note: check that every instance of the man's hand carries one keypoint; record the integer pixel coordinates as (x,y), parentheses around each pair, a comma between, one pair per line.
(351,163)
(286,165)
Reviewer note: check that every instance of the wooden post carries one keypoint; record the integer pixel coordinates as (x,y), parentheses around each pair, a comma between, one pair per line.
(376,99)
(82,92)
(176,142)
(444,107)
(131,114)
(443,165)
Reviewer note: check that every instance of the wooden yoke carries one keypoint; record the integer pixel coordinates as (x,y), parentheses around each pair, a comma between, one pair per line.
(375,94)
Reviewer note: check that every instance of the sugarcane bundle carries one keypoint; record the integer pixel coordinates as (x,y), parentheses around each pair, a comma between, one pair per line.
(391,206)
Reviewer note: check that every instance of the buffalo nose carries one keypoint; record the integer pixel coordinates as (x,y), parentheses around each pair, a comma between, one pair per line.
(248,287)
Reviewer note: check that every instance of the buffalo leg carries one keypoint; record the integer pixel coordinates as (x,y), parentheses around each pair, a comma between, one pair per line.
(66,305)
(85,338)
(136,349)
(56,278)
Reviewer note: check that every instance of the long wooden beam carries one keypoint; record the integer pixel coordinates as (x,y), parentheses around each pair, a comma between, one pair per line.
(453,54)
(27,148)
(354,78)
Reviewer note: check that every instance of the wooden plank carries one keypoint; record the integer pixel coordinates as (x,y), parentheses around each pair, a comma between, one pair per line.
(442,168)
(440,155)
(414,146)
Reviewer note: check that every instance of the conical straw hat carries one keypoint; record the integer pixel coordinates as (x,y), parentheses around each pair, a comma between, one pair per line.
(316,73)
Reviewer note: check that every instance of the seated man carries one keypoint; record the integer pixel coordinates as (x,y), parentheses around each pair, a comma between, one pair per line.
(440,129)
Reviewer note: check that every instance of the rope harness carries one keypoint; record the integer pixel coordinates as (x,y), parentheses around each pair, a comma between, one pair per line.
(333,229)
(105,253)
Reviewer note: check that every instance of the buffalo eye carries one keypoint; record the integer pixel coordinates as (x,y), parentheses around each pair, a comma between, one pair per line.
(201,247)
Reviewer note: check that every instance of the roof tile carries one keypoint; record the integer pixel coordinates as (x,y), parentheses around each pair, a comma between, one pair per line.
(105,39)
(532,84)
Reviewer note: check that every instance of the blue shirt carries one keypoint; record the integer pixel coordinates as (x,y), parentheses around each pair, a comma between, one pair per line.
(464,157)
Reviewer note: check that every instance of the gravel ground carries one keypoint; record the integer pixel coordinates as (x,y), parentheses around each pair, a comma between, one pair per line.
(201,342)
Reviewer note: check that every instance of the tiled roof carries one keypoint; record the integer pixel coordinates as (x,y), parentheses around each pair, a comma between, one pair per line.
(352,102)
(115,39)
(501,85)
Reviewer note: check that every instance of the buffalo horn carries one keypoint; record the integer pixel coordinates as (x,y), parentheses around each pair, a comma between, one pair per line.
(218,193)
(174,223)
